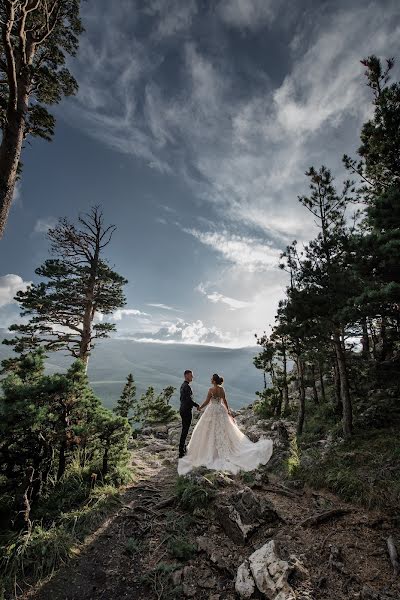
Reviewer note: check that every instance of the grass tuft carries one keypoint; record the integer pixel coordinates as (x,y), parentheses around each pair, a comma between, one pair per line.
(193,495)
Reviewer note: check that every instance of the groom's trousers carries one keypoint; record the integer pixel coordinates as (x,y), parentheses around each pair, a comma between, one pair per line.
(186,417)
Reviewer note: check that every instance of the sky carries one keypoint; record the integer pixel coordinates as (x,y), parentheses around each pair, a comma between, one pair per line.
(193,127)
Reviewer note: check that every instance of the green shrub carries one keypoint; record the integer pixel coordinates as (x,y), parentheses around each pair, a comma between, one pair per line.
(365,469)
(193,495)
(181,549)
(133,546)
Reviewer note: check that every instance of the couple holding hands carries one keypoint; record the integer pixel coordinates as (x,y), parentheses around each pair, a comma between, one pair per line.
(216,441)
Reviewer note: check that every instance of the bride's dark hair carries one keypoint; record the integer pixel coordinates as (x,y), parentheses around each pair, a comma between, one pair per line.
(217,379)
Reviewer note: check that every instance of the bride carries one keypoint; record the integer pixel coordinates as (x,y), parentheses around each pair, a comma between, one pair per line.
(217,442)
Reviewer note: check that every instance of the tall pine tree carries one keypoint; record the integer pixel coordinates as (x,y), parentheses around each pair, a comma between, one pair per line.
(79,284)
(36,38)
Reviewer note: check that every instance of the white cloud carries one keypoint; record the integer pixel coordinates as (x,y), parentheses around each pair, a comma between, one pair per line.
(247,14)
(127,312)
(163,306)
(243,152)
(250,253)
(195,332)
(174,16)
(9,285)
(44,224)
(216,297)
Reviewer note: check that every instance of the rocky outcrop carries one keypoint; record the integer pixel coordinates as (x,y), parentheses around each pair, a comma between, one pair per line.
(242,513)
(266,572)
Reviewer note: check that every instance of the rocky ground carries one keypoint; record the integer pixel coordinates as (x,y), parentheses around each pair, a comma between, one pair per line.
(221,537)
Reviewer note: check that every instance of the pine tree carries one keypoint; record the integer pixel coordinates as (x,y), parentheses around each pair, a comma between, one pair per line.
(377,247)
(151,409)
(79,285)
(44,422)
(113,433)
(36,37)
(127,399)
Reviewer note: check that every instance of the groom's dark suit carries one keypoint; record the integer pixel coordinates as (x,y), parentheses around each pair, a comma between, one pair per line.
(186,413)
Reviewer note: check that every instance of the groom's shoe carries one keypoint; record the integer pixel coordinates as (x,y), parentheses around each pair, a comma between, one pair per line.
(181,454)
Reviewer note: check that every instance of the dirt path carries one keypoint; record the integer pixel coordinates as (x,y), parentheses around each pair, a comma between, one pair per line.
(129,556)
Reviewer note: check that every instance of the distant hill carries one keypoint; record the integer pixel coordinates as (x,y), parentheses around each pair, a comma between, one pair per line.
(161,365)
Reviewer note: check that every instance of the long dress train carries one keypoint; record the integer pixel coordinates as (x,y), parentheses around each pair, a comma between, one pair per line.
(217,443)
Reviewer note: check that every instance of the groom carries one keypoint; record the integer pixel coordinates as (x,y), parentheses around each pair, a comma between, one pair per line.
(186,410)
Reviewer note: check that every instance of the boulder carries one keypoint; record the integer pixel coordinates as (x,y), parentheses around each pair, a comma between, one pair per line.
(244,584)
(269,574)
(243,512)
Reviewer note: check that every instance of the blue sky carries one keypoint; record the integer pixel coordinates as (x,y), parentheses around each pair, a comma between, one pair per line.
(193,126)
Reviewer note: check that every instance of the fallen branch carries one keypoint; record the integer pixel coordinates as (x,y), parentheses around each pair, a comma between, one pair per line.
(282,491)
(325,516)
(393,555)
(165,503)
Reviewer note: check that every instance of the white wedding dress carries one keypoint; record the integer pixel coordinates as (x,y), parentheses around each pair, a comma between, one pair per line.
(217,443)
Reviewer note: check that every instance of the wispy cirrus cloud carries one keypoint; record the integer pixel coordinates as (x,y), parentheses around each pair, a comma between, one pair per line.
(163,307)
(43,224)
(253,254)
(152,85)
(244,153)
(247,14)
(217,297)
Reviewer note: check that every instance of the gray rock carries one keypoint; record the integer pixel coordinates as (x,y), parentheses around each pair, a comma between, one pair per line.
(244,513)
(195,577)
(269,573)
(244,584)
(218,552)
(233,525)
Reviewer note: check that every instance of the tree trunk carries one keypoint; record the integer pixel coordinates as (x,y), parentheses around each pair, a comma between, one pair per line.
(62,460)
(279,404)
(10,153)
(84,350)
(302,397)
(344,386)
(285,385)
(22,501)
(321,381)
(383,336)
(313,385)
(104,469)
(13,134)
(365,338)
(336,378)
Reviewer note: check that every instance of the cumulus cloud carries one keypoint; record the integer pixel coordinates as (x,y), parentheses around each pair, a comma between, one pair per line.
(195,332)
(9,285)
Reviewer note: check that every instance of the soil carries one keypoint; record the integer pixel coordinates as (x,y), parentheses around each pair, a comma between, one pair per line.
(346,555)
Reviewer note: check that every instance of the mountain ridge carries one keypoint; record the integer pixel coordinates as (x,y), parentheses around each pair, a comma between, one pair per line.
(160,365)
